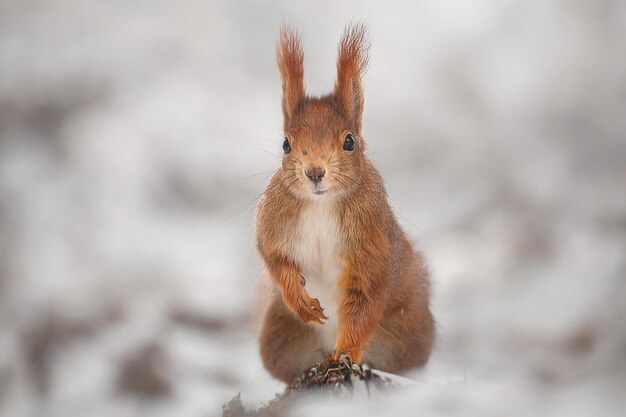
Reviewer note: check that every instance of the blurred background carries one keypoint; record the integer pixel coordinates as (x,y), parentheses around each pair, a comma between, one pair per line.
(136,138)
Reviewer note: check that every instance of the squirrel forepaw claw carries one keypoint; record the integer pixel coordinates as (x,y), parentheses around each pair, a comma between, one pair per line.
(310,310)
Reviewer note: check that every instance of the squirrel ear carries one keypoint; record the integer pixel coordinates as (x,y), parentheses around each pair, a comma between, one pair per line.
(291,65)
(351,65)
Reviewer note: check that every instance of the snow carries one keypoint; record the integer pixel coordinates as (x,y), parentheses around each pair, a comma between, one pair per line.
(136,137)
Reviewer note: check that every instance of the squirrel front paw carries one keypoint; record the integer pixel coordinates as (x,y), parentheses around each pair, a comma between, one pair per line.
(310,310)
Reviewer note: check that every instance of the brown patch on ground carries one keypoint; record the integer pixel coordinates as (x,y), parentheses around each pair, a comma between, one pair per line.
(54,333)
(143,373)
(207,323)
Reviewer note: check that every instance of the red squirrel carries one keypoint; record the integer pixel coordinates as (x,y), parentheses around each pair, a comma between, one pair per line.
(347,279)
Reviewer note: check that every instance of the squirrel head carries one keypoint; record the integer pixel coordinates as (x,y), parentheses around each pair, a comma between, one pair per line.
(324,152)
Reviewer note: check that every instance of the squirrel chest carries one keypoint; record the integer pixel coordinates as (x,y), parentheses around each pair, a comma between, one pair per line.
(315,250)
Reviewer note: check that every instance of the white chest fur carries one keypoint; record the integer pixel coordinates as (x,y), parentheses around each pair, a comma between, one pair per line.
(316,254)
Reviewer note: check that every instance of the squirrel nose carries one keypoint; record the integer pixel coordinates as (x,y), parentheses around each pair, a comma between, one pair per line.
(315,174)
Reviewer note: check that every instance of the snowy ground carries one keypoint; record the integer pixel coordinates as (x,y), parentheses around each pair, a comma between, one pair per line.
(135,138)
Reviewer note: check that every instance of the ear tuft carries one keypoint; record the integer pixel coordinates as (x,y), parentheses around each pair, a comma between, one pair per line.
(291,65)
(351,65)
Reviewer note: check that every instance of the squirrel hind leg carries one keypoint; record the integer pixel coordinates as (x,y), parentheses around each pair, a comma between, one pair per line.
(402,342)
(288,346)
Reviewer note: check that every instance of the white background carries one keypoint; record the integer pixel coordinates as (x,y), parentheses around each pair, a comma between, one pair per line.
(136,137)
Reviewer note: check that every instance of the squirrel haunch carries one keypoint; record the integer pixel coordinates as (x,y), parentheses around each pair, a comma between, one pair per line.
(325,217)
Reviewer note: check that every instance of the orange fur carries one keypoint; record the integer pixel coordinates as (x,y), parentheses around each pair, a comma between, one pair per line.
(291,65)
(341,230)
(351,64)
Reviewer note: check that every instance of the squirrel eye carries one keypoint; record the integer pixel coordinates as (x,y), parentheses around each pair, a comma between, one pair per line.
(286,146)
(348,143)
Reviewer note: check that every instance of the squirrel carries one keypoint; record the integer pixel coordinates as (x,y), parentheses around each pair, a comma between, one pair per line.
(348,281)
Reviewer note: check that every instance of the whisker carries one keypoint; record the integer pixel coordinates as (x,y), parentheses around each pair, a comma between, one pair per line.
(345,177)
(224,220)
(428,235)
(264,150)
(250,176)
(293,182)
